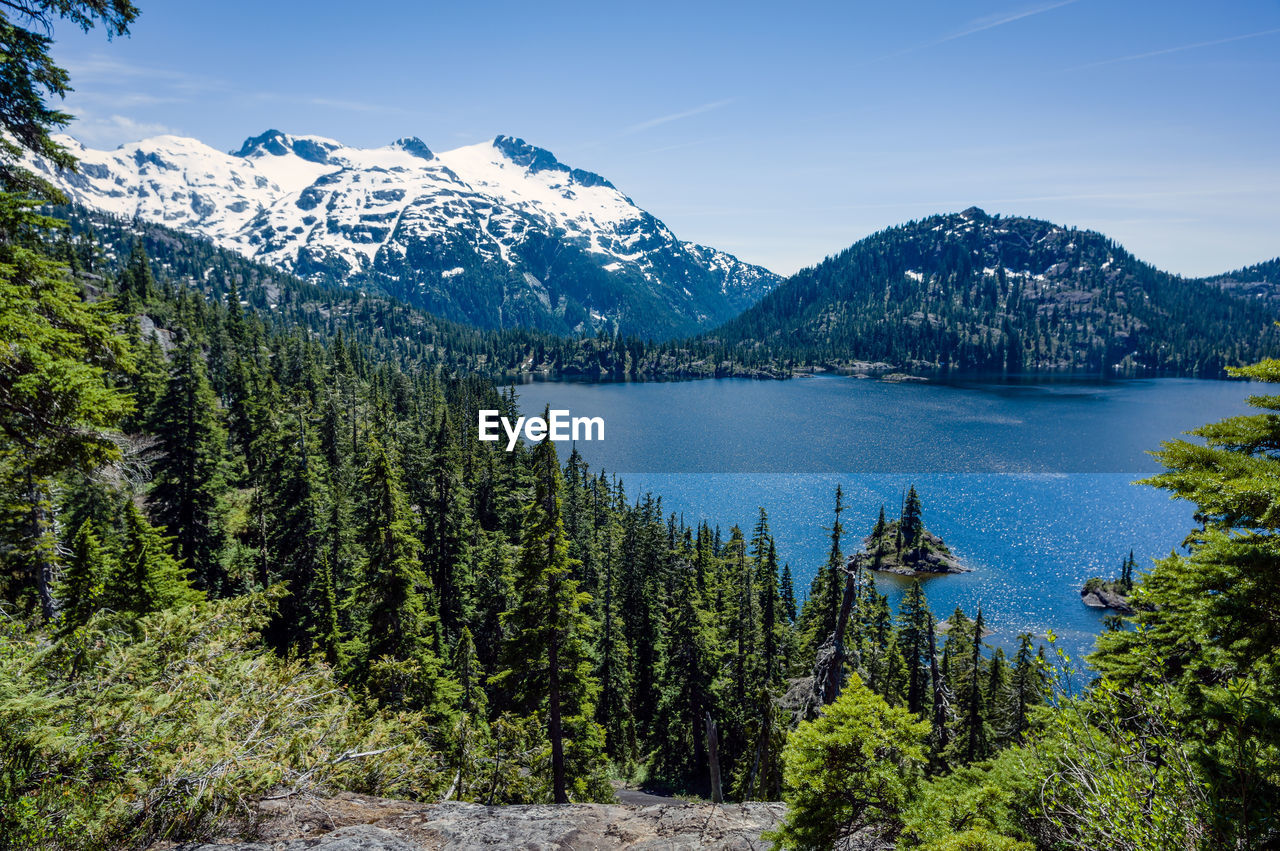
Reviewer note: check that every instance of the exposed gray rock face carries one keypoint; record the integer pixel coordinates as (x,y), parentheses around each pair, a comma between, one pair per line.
(358,823)
(1106,598)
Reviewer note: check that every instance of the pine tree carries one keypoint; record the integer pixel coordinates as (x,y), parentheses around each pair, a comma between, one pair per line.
(470,676)
(704,561)
(914,621)
(83,586)
(853,767)
(547,665)
(147,577)
(148,381)
(686,673)
(326,634)
(998,698)
(822,608)
(495,594)
(1126,573)
(613,667)
(186,497)
(940,733)
(787,594)
(912,524)
(881,657)
(473,705)
(59,394)
(641,594)
(402,667)
(964,647)
(293,502)
(137,284)
(397,619)
(764,556)
(743,626)
(877,537)
(445,531)
(1029,687)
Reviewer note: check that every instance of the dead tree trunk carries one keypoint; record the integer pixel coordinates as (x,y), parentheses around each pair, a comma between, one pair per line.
(713,758)
(828,667)
(43,546)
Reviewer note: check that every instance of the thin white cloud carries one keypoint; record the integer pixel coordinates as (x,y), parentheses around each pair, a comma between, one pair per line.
(107,71)
(356,106)
(682,145)
(118,100)
(676,116)
(98,131)
(1149,54)
(977,25)
(103,66)
(990,22)
(330,103)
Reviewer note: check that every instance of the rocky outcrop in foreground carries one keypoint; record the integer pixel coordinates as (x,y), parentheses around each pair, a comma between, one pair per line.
(359,823)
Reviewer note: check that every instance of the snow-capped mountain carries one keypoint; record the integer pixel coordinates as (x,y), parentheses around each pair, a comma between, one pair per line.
(498,234)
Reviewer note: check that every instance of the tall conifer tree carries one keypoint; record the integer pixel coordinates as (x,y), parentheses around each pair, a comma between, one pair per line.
(547,661)
(187,494)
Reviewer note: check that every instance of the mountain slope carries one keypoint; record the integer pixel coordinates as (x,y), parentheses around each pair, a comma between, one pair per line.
(1259,281)
(499,234)
(101,246)
(972,291)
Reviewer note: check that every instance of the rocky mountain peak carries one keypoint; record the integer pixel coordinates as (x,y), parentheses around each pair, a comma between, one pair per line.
(537,159)
(275,143)
(414,145)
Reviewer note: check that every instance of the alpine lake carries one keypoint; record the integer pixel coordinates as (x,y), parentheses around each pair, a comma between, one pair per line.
(1030,483)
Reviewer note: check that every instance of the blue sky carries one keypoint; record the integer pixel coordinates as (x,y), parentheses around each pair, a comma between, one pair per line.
(782,133)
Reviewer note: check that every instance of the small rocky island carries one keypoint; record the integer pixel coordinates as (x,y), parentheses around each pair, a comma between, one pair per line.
(1111,594)
(905,547)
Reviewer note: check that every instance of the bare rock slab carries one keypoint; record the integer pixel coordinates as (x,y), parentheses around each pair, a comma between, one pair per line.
(359,823)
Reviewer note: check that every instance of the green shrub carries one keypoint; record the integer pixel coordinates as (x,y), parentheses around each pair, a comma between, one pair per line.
(978,839)
(856,766)
(125,731)
(984,802)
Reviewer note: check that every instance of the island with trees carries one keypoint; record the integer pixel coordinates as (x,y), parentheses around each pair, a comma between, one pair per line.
(1113,594)
(905,547)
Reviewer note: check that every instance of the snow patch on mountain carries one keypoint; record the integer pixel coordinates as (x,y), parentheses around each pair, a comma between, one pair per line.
(316,207)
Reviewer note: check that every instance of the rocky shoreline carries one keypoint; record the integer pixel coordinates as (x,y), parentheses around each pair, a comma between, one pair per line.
(350,822)
(1101,596)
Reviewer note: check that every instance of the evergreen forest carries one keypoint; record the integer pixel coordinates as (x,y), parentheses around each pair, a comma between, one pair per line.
(251,546)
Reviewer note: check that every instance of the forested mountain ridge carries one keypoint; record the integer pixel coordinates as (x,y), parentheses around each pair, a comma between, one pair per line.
(499,235)
(1260,281)
(98,244)
(101,246)
(972,291)
(414,337)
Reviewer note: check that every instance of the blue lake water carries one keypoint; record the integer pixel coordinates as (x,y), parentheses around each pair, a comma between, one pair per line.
(1029,483)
